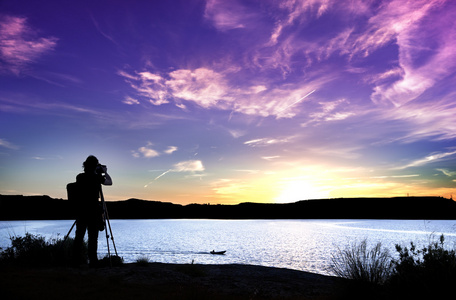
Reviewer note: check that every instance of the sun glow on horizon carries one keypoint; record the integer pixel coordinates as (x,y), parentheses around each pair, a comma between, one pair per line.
(300,190)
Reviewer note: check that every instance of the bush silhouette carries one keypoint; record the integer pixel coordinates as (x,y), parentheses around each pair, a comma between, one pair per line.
(36,251)
(429,271)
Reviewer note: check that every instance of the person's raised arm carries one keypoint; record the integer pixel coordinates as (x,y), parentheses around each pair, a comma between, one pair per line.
(107,178)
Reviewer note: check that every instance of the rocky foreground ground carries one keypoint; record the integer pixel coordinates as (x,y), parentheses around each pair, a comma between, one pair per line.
(167,281)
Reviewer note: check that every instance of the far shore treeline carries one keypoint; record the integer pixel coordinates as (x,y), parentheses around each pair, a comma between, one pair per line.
(18,207)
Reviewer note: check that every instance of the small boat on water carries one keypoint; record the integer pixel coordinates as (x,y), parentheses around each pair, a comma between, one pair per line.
(218,252)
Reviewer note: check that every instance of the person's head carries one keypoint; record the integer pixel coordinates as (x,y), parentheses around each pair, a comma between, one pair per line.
(90,164)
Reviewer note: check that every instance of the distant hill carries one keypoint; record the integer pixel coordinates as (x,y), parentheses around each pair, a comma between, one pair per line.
(20,207)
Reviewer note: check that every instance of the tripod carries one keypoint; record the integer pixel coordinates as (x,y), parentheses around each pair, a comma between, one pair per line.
(107,225)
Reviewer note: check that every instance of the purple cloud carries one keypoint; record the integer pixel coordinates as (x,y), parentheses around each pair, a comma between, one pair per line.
(20,45)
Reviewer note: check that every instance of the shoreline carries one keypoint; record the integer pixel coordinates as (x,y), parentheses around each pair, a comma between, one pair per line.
(167,281)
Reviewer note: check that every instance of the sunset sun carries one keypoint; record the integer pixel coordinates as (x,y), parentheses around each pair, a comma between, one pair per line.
(300,190)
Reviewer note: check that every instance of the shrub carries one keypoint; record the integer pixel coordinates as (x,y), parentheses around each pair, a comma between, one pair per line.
(424,272)
(358,263)
(110,261)
(34,250)
(143,260)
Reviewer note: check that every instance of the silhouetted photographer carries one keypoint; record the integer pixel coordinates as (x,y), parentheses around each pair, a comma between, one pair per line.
(89,211)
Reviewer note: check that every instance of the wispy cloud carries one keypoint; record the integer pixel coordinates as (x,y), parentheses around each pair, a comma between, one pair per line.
(285,48)
(156,178)
(280,102)
(55,157)
(203,86)
(412,25)
(226,15)
(447,172)
(22,103)
(433,157)
(148,152)
(145,152)
(269,158)
(129,100)
(210,89)
(20,44)
(282,110)
(147,85)
(432,120)
(281,46)
(408,25)
(331,111)
(4,143)
(171,149)
(191,166)
(395,176)
(262,142)
(102,32)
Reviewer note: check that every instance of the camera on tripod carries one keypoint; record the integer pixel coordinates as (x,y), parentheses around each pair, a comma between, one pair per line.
(100,169)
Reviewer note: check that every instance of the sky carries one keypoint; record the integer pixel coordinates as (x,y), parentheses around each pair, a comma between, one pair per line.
(234,101)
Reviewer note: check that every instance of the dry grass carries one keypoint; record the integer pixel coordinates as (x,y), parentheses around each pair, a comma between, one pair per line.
(359,263)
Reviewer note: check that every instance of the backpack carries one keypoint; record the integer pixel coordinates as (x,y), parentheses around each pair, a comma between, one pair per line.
(77,199)
(73,192)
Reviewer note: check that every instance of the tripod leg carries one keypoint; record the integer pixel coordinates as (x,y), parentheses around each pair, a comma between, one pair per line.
(107,241)
(69,232)
(106,219)
(66,236)
(110,230)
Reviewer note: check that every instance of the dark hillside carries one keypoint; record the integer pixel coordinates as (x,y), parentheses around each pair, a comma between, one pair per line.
(47,208)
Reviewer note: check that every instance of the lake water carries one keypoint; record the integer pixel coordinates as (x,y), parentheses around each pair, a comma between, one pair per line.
(295,244)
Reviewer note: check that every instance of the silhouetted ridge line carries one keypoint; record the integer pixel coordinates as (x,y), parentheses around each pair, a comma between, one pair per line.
(18,207)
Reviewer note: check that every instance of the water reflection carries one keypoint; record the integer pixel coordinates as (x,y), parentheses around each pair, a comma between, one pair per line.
(296,244)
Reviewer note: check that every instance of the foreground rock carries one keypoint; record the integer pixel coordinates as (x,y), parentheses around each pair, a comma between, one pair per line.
(166,281)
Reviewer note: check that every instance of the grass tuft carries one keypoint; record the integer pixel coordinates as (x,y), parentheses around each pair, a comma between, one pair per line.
(143,260)
(359,263)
